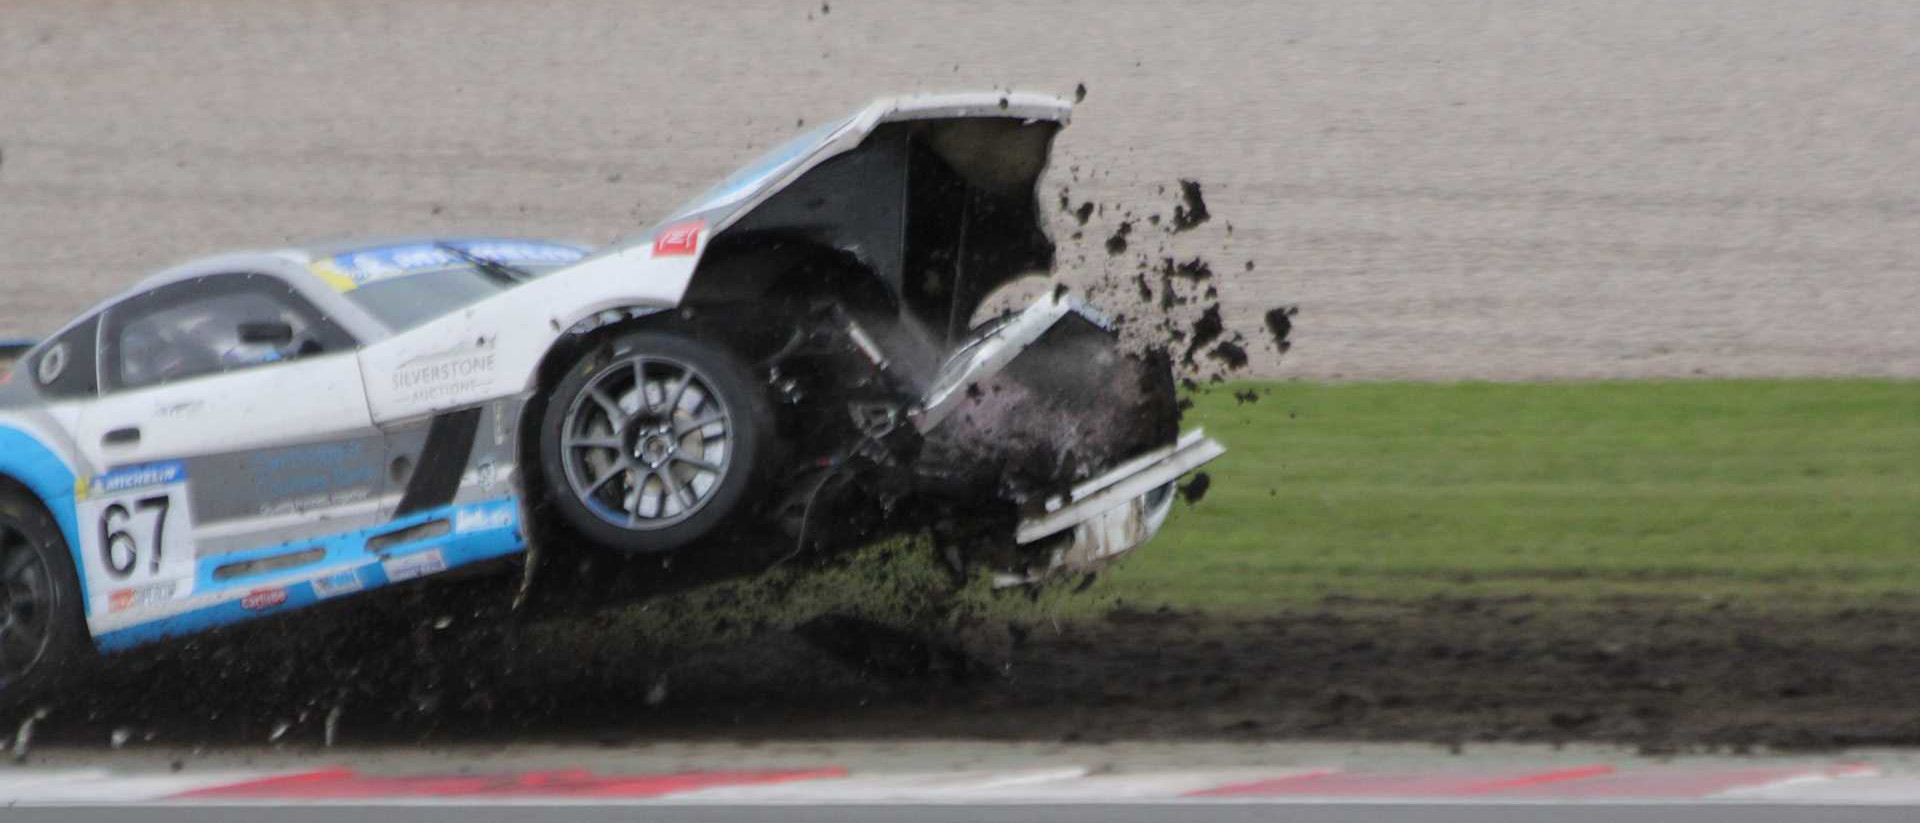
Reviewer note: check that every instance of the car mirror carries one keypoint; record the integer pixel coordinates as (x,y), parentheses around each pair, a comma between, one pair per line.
(272,333)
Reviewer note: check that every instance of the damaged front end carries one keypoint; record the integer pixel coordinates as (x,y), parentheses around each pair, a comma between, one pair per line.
(852,268)
(1078,438)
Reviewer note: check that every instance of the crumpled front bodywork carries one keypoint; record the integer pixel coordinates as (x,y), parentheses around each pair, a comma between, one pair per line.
(848,265)
(905,217)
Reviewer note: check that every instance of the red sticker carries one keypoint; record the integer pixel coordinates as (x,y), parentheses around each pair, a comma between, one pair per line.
(263,599)
(678,240)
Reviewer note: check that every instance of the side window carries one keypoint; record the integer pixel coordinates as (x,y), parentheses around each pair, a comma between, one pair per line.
(64,366)
(213,324)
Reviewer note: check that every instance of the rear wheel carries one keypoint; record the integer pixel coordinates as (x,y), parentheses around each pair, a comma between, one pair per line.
(653,441)
(42,627)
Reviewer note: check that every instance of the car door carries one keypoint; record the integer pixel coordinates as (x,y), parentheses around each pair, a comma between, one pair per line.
(232,434)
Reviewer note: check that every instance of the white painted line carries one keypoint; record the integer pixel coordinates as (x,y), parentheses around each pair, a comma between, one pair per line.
(1862,784)
(99,786)
(890,787)
(1141,785)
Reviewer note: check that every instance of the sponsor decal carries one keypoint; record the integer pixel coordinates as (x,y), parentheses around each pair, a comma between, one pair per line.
(334,585)
(259,599)
(131,478)
(414,565)
(446,377)
(351,270)
(475,520)
(327,500)
(324,471)
(678,240)
(140,597)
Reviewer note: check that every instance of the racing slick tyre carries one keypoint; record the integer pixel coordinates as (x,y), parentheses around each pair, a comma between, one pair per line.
(653,441)
(42,627)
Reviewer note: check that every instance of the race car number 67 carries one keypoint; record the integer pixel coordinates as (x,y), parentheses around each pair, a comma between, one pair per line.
(119,548)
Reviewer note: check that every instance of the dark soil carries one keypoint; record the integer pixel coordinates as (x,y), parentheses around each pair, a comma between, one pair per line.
(1663,677)
(1193,208)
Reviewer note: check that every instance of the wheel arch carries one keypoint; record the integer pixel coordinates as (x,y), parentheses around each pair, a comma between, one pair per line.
(58,506)
(35,471)
(739,269)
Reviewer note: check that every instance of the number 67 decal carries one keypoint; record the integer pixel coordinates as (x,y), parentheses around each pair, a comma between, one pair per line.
(119,548)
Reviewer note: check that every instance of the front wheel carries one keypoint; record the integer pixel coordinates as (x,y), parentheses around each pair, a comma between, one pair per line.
(653,441)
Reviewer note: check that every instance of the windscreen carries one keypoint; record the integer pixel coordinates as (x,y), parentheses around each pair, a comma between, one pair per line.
(408,301)
(746,180)
(406,284)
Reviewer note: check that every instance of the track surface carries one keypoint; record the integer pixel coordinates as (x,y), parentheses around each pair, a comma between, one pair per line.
(1503,189)
(905,781)
(1392,813)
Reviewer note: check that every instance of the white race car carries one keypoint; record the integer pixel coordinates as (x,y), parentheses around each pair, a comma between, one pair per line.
(789,363)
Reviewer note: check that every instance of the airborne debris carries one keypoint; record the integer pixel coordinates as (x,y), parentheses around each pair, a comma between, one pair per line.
(23,739)
(1280,325)
(1230,353)
(331,728)
(1205,330)
(1196,488)
(1079,92)
(1117,244)
(1084,213)
(1195,270)
(1194,210)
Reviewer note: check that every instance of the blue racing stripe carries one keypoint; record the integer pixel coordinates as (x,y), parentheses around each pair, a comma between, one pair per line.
(491,530)
(24,459)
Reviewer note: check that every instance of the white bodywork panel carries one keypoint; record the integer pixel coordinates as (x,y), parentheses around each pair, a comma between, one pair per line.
(137,526)
(492,348)
(314,398)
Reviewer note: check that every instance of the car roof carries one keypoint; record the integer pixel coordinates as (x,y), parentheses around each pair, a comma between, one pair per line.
(294,262)
(284,260)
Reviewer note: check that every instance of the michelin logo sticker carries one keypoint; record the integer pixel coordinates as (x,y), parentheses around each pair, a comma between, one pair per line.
(131,478)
